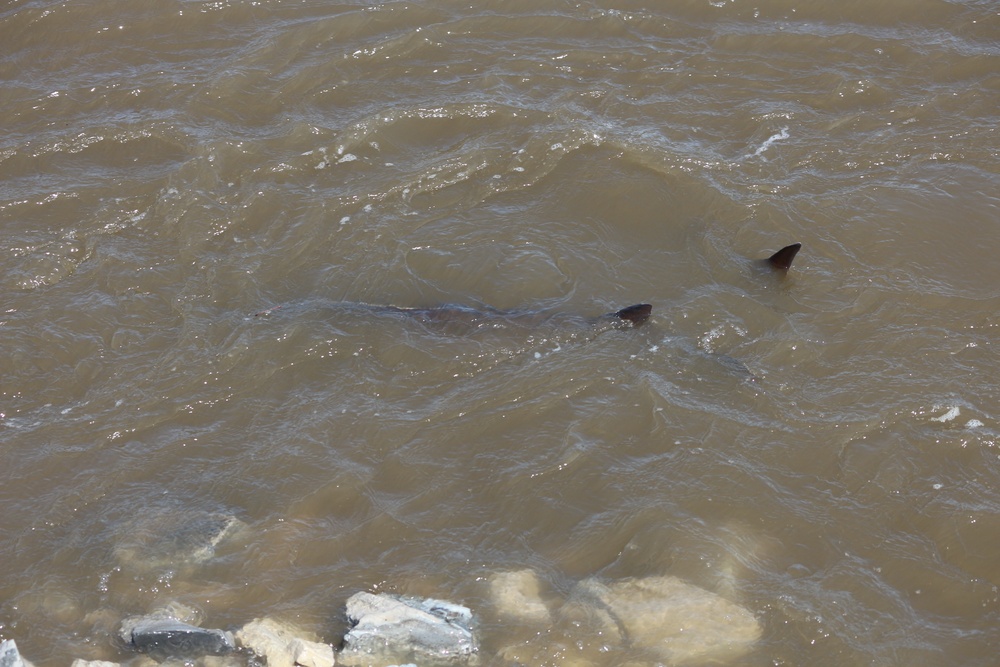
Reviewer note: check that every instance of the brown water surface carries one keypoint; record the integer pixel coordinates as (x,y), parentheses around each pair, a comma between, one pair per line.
(168,169)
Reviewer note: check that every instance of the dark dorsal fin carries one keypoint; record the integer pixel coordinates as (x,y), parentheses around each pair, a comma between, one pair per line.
(782,260)
(636,314)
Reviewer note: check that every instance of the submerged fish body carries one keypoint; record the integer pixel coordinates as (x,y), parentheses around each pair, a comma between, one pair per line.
(490,318)
(466,320)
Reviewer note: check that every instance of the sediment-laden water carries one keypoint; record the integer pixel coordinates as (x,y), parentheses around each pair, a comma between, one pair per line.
(820,449)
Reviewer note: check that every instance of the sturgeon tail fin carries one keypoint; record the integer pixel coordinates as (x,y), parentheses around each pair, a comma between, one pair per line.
(636,315)
(782,260)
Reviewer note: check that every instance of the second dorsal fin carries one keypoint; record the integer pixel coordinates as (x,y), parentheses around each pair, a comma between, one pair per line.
(636,314)
(782,260)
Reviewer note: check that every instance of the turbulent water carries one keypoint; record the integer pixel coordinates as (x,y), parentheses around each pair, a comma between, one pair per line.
(821,449)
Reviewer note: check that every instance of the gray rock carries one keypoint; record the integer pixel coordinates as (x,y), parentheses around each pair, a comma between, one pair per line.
(283,645)
(161,634)
(171,611)
(93,663)
(179,640)
(389,630)
(10,656)
(666,616)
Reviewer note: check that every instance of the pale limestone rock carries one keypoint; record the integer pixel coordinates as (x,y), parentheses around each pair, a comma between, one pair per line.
(312,654)
(283,645)
(675,620)
(515,595)
(146,661)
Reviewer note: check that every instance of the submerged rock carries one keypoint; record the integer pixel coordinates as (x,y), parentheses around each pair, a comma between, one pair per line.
(10,656)
(283,645)
(515,595)
(666,616)
(230,660)
(79,662)
(390,630)
(165,633)
(174,539)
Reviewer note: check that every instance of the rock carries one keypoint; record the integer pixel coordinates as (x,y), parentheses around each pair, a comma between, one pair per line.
(557,651)
(103,621)
(93,663)
(10,656)
(312,654)
(176,611)
(675,620)
(389,630)
(146,661)
(515,595)
(179,640)
(231,660)
(174,539)
(165,633)
(283,645)
(172,611)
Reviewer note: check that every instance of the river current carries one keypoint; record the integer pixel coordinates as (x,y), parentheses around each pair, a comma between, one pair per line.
(820,448)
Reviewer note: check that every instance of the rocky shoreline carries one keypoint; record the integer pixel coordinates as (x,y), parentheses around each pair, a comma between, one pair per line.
(654,620)
(657,620)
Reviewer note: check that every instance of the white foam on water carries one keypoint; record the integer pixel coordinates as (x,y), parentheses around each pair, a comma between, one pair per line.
(948,416)
(770,141)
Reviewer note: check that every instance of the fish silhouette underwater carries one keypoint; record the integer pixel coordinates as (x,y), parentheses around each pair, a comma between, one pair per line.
(470,319)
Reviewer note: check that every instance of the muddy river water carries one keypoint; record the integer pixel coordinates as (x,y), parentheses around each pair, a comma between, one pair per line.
(821,449)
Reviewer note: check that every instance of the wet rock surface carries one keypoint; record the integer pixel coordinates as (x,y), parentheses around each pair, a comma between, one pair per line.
(516,596)
(283,645)
(673,620)
(169,633)
(659,620)
(387,630)
(10,656)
